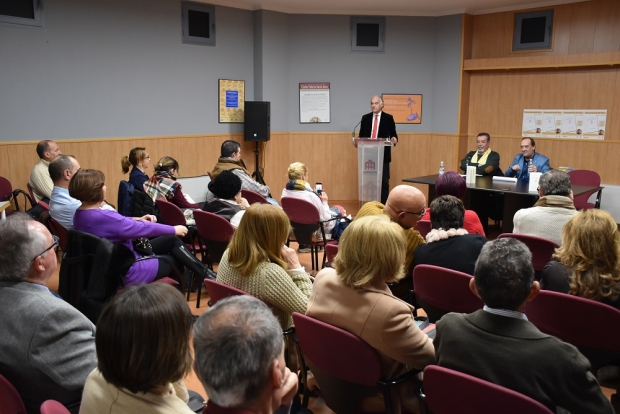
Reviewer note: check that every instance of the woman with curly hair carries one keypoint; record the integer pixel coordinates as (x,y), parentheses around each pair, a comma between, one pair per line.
(588,263)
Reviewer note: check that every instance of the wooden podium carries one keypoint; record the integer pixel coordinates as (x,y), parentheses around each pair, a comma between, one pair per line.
(370,167)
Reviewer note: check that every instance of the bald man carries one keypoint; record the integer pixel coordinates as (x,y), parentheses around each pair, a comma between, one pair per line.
(405,205)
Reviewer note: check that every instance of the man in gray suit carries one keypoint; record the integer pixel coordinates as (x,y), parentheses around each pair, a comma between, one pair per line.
(47,347)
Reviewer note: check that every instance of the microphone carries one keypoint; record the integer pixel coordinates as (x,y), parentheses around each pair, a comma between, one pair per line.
(353,133)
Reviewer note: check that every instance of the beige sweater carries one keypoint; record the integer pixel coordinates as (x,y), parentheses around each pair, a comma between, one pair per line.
(284,292)
(546,219)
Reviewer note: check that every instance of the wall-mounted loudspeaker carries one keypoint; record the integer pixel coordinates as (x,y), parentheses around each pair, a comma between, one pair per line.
(257,121)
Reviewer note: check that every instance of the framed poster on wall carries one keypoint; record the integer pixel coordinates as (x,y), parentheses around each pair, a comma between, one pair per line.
(231,100)
(405,108)
(314,103)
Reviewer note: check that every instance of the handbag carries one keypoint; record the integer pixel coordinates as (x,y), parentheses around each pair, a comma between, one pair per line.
(143,246)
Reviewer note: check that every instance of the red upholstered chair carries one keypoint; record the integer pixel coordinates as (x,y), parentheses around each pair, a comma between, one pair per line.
(53,407)
(218,290)
(172,215)
(214,233)
(582,322)
(586,177)
(542,249)
(31,192)
(439,291)
(346,368)
(331,250)
(10,400)
(58,230)
(253,197)
(8,194)
(305,220)
(423,226)
(44,205)
(448,392)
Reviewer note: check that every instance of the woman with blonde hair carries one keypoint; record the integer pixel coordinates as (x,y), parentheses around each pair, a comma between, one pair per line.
(139,161)
(354,296)
(298,187)
(588,263)
(257,261)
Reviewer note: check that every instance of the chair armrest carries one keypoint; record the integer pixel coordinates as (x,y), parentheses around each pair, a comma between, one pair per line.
(385,384)
(597,203)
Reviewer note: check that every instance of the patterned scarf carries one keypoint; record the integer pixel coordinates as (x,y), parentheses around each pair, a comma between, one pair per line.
(300,185)
(162,185)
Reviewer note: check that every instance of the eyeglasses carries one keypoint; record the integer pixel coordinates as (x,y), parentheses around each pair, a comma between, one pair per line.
(421,213)
(54,244)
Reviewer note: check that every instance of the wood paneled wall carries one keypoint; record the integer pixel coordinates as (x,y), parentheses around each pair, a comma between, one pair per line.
(585,27)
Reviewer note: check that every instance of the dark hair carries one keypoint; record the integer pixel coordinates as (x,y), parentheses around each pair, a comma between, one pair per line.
(142,337)
(87,186)
(532,142)
(451,183)
(167,164)
(504,273)
(235,343)
(484,134)
(228,147)
(447,212)
(135,156)
(59,166)
(226,185)
(555,182)
(43,147)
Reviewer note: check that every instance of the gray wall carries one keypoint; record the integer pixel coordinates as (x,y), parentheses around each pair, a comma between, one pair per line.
(115,68)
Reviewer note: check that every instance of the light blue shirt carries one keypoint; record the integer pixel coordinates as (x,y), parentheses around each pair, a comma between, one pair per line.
(63,206)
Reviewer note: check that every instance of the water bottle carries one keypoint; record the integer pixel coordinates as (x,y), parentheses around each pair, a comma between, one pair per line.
(529,164)
(442,168)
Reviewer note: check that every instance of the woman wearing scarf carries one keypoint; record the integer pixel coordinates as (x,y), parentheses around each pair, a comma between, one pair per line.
(163,185)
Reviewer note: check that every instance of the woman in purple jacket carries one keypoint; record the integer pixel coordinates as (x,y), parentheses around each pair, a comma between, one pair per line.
(89,187)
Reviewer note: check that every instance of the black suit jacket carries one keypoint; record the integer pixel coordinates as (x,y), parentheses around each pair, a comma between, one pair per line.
(513,353)
(386,129)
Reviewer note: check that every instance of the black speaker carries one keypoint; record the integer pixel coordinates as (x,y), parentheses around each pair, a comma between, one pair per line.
(257,121)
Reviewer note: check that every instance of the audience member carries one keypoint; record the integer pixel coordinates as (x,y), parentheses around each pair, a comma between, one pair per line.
(163,185)
(89,187)
(498,344)
(298,187)
(354,296)
(528,161)
(588,263)
(139,161)
(230,159)
(448,244)
(240,358)
(47,347)
(228,202)
(452,183)
(143,352)
(484,159)
(405,205)
(40,180)
(552,210)
(258,262)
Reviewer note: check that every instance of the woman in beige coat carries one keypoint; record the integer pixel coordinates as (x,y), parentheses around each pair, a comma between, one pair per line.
(354,296)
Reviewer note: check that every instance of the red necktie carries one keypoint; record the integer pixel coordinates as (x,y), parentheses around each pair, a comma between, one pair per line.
(374,128)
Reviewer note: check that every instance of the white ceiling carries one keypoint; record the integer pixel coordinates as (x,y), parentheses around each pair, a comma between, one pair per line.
(388,7)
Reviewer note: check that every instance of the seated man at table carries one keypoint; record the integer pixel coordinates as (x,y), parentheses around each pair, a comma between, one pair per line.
(498,343)
(405,205)
(528,161)
(552,210)
(484,159)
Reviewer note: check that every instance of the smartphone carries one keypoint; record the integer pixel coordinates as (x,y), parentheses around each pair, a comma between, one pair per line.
(319,188)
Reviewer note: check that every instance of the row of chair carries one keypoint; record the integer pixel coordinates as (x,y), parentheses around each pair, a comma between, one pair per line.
(11,402)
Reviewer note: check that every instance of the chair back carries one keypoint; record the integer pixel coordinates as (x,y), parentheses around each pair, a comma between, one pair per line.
(58,230)
(10,400)
(170,214)
(53,407)
(439,291)
(253,197)
(582,322)
(125,192)
(589,178)
(334,356)
(423,226)
(218,290)
(447,392)
(215,233)
(304,217)
(6,189)
(31,192)
(44,206)
(331,250)
(542,249)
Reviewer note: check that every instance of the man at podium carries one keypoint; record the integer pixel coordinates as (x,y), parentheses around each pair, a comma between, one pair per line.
(380,125)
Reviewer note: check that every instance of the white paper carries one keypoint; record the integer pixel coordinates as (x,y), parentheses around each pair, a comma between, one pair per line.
(534,179)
